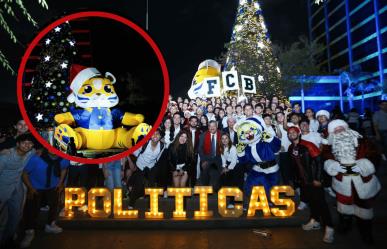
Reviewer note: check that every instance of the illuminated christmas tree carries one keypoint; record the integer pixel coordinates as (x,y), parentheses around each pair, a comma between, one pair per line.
(250,49)
(50,87)
(318,1)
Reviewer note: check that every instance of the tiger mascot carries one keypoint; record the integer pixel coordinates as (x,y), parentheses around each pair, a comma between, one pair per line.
(257,148)
(95,125)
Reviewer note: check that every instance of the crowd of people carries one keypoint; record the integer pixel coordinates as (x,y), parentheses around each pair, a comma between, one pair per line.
(197,144)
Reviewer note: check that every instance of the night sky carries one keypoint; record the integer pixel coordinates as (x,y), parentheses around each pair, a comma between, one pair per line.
(187,32)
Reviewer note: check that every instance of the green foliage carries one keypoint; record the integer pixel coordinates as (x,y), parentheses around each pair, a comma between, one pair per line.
(4,62)
(7,9)
(300,58)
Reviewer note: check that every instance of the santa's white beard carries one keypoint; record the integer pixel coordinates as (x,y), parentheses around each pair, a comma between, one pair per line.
(344,146)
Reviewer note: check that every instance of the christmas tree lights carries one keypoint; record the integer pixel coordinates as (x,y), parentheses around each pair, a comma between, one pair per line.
(250,49)
(49,89)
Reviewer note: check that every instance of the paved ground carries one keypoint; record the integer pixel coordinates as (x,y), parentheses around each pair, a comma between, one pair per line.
(282,237)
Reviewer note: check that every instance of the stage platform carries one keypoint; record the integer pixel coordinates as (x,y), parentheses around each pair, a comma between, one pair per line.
(82,220)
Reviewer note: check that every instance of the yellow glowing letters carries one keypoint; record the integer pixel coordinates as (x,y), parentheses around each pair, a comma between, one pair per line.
(80,194)
(203,192)
(75,197)
(179,194)
(237,211)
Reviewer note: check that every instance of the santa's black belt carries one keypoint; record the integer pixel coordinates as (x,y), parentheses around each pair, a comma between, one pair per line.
(268,164)
(348,168)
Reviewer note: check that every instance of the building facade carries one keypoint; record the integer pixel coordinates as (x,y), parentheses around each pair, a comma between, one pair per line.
(354,38)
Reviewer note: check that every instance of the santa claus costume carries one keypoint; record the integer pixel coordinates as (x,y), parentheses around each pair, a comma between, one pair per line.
(353,179)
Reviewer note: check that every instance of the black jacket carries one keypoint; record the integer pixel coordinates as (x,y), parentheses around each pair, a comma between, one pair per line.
(306,165)
(226,130)
(178,157)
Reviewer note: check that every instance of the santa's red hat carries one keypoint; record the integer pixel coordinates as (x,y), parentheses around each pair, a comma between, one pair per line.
(79,74)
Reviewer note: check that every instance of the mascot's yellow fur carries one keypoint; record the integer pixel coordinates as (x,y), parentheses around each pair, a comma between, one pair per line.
(96,125)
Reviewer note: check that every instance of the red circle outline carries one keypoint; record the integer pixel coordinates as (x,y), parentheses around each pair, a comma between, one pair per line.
(82,15)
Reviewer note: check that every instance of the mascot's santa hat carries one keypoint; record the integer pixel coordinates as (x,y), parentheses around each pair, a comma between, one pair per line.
(79,74)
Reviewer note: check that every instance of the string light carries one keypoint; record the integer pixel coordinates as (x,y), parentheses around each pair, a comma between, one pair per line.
(47,90)
(92,199)
(154,203)
(223,193)
(274,197)
(70,202)
(75,197)
(250,49)
(118,212)
(203,192)
(179,194)
(258,201)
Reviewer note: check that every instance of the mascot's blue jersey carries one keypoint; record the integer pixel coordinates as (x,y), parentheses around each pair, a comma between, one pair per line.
(265,151)
(97,118)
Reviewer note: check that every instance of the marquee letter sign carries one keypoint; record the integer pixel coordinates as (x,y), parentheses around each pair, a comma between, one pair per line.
(154,203)
(283,206)
(248,84)
(179,194)
(203,201)
(230,80)
(223,193)
(70,193)
(118,212)
(92,203)
(212,86)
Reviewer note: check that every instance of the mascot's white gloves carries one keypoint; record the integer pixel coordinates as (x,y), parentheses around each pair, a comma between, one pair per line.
(241,149)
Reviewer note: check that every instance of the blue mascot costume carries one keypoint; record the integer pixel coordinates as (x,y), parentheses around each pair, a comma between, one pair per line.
(257,148)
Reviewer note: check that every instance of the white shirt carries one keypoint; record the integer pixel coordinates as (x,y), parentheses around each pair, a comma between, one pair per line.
(313,125)
(230,156)
(167,137)
(211,117)
(213,136)
(149,157)
(224,120)
(259,117)
(269,129)
(240,117)
(285,142)
(232,136)
(177,130)
(193,137)
(313,137)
